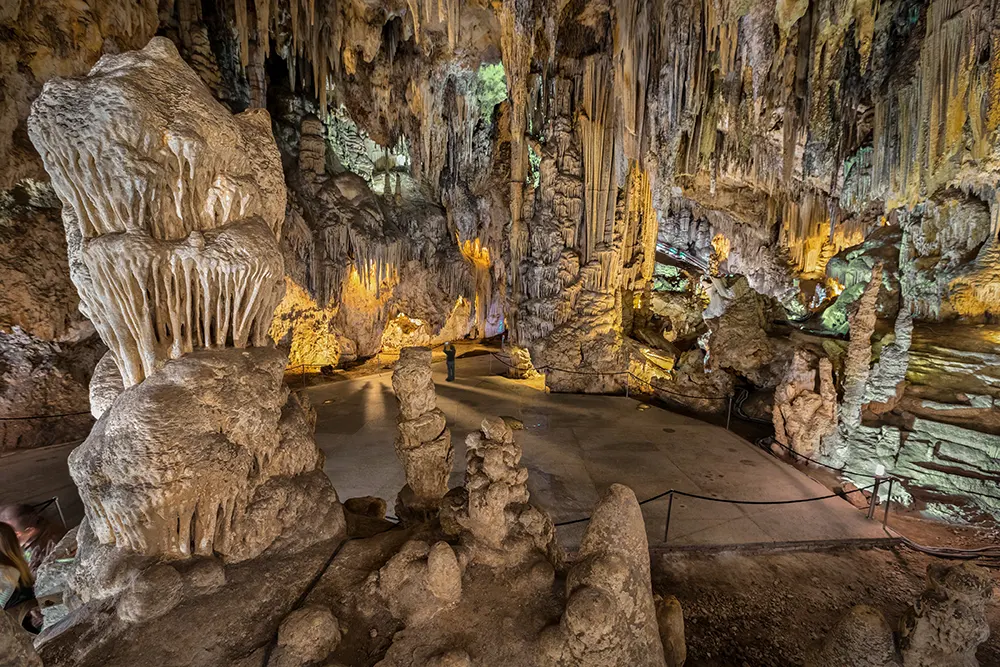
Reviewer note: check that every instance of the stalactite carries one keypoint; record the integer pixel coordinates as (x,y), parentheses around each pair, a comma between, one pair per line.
(632,56)
(598,145)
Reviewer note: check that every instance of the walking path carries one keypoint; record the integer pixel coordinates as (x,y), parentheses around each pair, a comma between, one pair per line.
(575,446)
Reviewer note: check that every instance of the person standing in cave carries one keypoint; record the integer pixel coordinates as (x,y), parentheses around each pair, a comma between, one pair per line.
(449,353)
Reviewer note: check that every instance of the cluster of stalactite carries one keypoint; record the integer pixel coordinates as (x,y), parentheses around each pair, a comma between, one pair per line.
(824,110)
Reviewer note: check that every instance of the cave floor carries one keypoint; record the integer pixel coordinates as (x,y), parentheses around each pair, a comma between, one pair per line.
(575,446)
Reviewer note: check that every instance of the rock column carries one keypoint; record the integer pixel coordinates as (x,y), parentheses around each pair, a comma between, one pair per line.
(424,442)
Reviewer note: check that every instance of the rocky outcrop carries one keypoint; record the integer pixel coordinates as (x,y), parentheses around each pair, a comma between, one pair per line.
(805,403)
(208,253)
(738,338)
(491,514)
(610,618)
(173,248)
(948,623)
(15,644)
(423,445)
(237,474)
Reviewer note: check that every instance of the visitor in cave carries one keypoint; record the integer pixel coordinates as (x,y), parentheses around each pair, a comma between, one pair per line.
(36,534)
(17,583)
(449,353)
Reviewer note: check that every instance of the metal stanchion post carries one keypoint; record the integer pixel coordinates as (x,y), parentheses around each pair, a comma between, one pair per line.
(62,517)
(626,386)
(888,501)
(729,413)
(874,499)
(670,507)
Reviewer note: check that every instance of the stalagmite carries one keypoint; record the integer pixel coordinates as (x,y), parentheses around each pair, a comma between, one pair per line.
(424,442)
(173,209)
(491,514)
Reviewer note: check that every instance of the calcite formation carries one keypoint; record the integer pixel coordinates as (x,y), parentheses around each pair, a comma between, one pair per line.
(424,442)
(491,513)
(610,618)
(172,207)
(215,478)
(805,403)
(948,623)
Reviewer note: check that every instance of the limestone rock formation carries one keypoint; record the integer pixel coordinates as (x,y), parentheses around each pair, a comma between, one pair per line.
(15,644)
(420,581)
(610,618)
(948,623)
(306,636)
(219,478)
(738,336)
(172,207)
(862,638)
(805,403)
(424,442)
(491,513)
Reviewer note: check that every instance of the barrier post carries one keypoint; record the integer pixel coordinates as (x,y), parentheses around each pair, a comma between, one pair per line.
(888,501)
(670,507)
(874,499)
(302,375)
(626,385)
(62,517)
(729,413)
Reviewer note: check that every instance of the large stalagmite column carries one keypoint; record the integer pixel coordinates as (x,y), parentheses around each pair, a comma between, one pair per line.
(173,210)
(424,442)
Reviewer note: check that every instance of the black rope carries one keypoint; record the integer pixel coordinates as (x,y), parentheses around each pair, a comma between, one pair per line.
(65,414)
(728,501)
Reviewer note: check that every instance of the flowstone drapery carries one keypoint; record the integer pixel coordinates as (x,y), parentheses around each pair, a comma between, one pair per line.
(173,209)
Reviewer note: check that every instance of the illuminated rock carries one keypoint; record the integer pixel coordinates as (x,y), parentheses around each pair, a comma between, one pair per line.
(423,445)
(235,473)
(805,404)
(491,513)
(172,207)
(610,617)
(738,336)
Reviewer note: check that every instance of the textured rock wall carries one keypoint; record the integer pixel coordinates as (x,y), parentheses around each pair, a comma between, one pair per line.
(47,360)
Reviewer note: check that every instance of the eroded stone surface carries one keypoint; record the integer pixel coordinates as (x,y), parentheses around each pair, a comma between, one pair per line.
(424,442)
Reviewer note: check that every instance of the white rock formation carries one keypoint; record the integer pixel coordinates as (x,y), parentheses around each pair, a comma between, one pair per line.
(805,411)
(491,513)
(181,466)
(172,207)
(948,623)
(610,617)
(423,445)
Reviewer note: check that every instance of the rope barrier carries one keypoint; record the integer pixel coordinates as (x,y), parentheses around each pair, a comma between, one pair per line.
(65,414)
(728,501)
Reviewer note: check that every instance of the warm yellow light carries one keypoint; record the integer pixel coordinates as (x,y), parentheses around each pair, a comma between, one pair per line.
(721,245)
(474,251)
(834,286)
